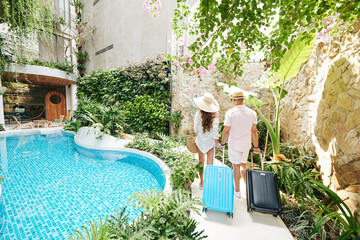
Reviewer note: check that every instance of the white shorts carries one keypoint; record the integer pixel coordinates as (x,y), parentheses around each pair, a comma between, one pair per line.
(237,157)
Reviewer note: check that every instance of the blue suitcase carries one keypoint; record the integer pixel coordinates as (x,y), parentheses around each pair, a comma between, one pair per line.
(218,191)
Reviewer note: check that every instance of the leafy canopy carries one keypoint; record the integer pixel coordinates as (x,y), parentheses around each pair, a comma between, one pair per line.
(229,31)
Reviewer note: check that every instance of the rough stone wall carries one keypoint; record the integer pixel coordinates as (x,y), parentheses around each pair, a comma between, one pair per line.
(184,88)
(322,112)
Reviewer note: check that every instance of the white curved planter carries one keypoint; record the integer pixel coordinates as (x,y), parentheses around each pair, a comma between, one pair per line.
(88,137)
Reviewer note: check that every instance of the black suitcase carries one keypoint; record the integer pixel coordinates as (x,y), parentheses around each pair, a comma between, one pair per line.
(262,191)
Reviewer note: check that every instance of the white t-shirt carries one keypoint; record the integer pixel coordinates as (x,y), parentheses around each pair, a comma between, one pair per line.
(240,118)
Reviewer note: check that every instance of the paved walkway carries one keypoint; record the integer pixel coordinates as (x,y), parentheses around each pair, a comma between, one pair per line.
(244,225)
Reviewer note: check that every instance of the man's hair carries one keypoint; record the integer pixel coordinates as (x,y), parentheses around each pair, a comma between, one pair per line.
(239,100)
(207,120)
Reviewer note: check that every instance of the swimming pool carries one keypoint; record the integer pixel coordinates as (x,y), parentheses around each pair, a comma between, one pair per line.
(53,186)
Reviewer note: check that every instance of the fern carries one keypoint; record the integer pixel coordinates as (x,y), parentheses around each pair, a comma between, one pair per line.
(96,232)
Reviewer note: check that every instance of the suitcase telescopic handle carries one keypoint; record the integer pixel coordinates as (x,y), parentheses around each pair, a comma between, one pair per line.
(252,161)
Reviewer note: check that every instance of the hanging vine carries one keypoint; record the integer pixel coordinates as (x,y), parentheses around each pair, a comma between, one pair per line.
(23,18)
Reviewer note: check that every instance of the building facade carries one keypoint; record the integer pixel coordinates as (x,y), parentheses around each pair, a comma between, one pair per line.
(124,32)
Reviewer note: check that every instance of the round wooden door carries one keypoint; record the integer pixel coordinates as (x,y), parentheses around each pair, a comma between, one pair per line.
(55,105)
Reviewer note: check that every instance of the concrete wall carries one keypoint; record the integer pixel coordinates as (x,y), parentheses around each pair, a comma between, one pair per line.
(126,29)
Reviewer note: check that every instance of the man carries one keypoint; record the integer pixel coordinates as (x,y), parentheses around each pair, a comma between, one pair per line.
(240,127)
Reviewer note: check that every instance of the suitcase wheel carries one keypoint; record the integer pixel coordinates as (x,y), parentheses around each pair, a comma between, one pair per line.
(230,214)
(274,215)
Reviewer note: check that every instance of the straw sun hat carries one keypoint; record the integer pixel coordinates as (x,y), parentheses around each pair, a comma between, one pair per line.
(207,103)
(237,95)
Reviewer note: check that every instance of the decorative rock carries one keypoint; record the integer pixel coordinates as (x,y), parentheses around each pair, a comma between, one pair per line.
(338,116)
(340,129)
(338,182)
(353,139)
(345,101)
(355,93)
(340,61)
(352,120)
(349,178)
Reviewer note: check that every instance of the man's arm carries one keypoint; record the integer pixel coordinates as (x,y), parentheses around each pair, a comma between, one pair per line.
(255,138)
(225,134)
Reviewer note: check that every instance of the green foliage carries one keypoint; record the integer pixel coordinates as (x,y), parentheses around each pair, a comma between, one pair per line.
(294,177)
(176,118)
(165,216)
(183,166)
(122,85)
(95,232)
(107,119)
(183,172)
(294,57)
(345,218)
(300,158)
(300,219)
(293,181)
(141,90)
(72,126)
(169,214)
(2,127)
(2,90)
(122,228)
(233,30)
(146,114)
(56,65)
(26,16)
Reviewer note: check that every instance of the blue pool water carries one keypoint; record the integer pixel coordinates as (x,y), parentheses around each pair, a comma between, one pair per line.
(52,186)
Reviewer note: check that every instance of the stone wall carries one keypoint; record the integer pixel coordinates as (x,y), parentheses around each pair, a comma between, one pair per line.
(184,88)
(322,112)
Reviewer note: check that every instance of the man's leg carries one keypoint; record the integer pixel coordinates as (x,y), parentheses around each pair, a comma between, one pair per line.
(236,169)
(243,171)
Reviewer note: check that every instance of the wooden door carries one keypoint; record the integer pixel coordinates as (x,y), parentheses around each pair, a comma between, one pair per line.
(55,105)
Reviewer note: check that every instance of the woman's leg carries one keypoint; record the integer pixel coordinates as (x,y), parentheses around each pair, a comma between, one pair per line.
(202,160)
(210,157)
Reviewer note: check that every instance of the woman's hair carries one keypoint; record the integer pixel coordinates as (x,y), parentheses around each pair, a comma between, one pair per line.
(207,120)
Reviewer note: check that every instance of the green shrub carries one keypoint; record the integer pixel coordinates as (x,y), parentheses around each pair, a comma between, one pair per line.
(146,82)
(107,119)
(56,65)
(184,167)
(300,219)
(72,126)
(146,114)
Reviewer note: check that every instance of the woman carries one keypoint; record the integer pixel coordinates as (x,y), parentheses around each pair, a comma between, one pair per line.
(206,124)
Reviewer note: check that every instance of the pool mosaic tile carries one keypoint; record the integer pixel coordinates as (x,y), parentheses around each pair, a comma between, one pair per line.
(53,186)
